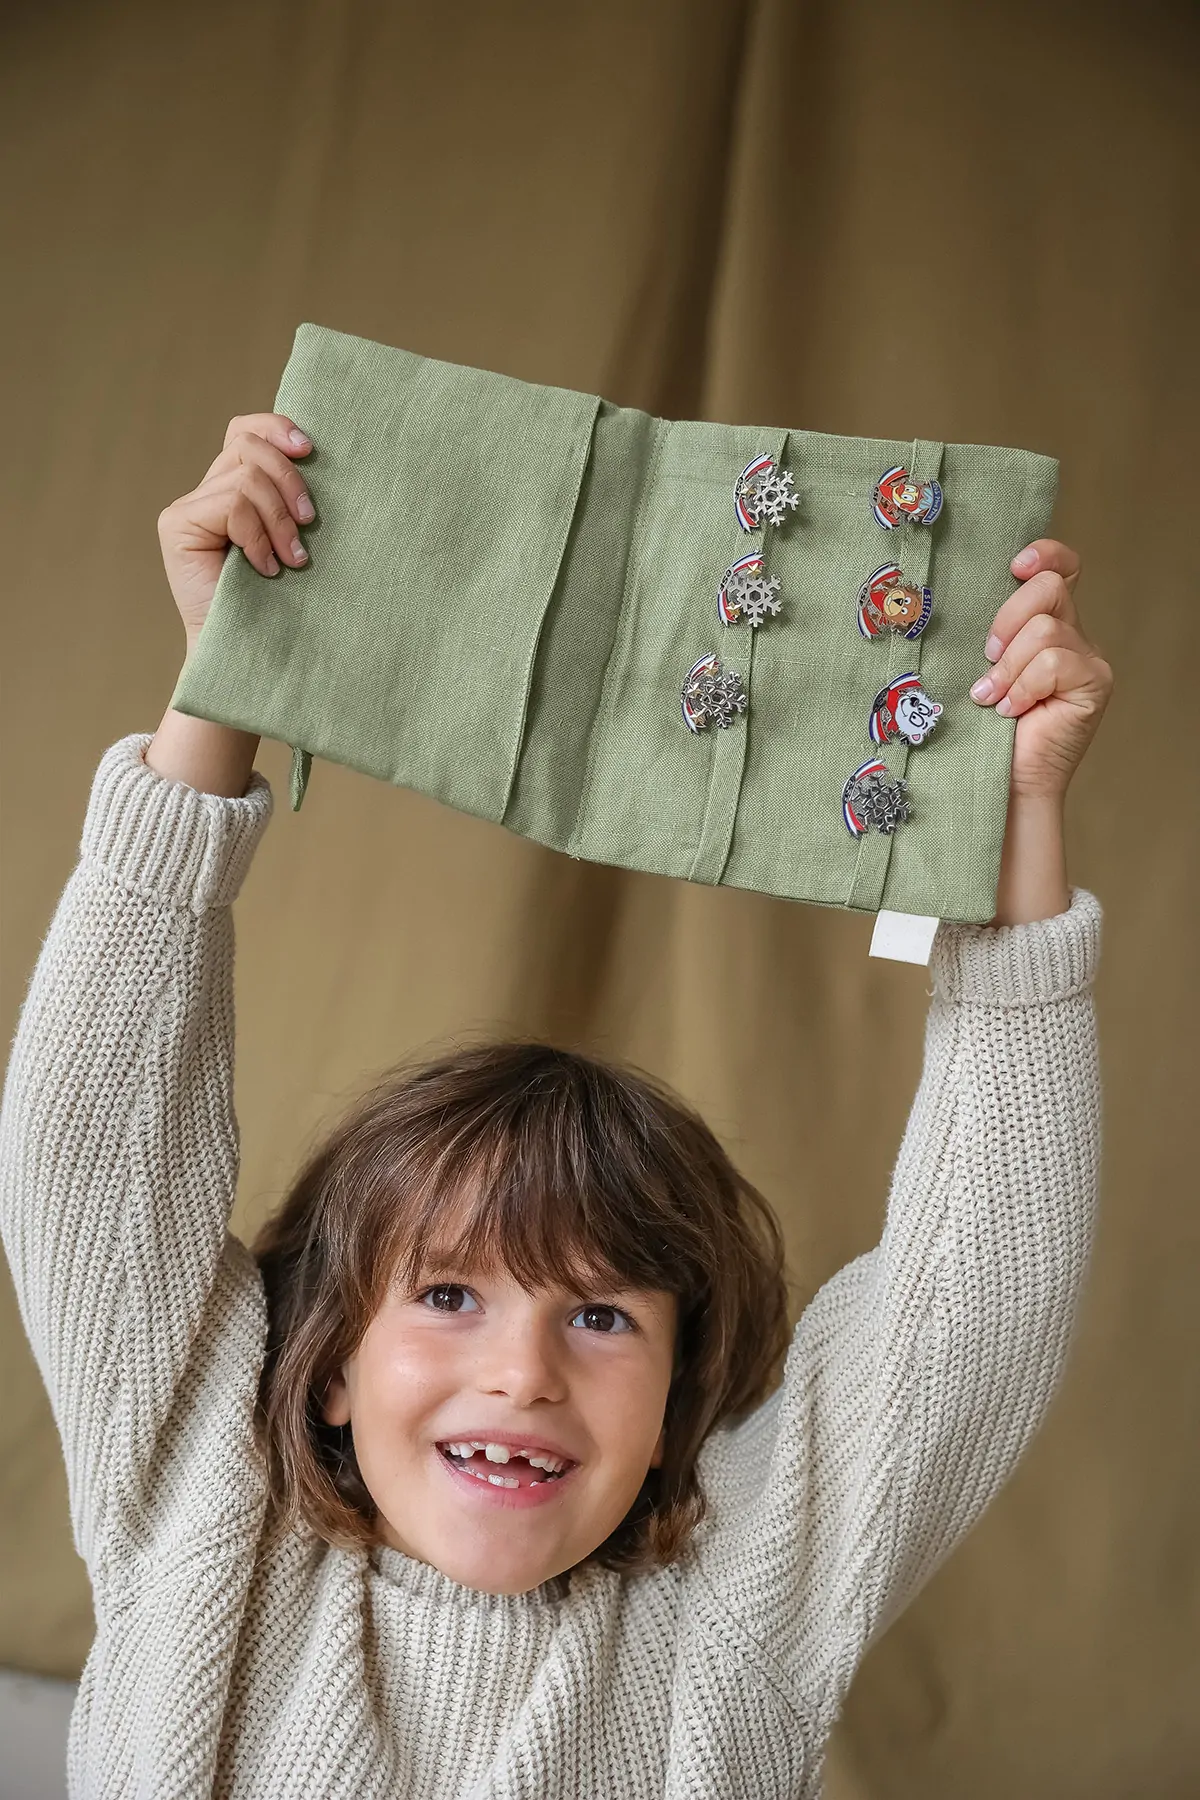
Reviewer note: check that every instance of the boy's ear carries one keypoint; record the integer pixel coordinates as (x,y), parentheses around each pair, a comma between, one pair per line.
(335,1405)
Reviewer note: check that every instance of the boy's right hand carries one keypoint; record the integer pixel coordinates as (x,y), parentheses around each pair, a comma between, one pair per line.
(251,496)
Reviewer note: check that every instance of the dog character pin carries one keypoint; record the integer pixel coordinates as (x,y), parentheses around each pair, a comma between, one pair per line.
(897,497)
(889,602)
(903,710)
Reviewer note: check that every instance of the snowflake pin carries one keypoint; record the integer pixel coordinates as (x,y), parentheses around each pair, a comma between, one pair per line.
(712,695)
(762,495)
(745,593)
(871,797)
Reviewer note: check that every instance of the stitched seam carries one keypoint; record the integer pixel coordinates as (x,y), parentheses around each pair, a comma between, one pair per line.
(633,568)
(536,641)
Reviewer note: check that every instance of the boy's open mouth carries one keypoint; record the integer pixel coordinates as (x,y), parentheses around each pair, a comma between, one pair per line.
(503,1465)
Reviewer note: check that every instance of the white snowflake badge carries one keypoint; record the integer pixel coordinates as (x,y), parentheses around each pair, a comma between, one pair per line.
(762,494)
(746,593)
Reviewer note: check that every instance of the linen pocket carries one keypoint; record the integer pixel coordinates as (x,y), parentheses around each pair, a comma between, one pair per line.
(405,647)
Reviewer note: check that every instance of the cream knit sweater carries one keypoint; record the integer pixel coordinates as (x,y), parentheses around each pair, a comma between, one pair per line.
(915,1379)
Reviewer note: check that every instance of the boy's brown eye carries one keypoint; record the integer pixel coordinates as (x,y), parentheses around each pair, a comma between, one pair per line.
(603,1318)
(449,1297)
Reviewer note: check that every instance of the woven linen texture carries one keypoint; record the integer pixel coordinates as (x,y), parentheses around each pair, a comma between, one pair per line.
(509,582)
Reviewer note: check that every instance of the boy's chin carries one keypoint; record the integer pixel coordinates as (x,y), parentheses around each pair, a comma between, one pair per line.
(490,1568)
(491,1573)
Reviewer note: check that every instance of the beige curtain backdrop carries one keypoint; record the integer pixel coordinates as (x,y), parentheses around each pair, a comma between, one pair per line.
(964,222)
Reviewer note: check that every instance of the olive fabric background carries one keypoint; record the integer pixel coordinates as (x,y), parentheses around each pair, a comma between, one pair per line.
(975,223)
(507,583)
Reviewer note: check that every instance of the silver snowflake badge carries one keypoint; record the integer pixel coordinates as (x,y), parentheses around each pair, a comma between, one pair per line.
(712,695)
(746,593)
(762,495)
(872,798)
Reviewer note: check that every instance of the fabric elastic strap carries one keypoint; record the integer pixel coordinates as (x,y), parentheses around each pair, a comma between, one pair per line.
(915,556)
(729,747)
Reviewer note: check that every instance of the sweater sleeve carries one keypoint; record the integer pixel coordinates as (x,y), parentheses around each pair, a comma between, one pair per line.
(118,1164)
(919,1372)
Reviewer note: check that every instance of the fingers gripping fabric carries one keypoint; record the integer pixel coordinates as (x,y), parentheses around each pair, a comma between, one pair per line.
(508,583)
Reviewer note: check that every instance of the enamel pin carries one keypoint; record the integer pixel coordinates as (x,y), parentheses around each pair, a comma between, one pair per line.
(745,593)
(887,602)
(761,495)
(712,695)
(903,710)
(870,797)
(896,498)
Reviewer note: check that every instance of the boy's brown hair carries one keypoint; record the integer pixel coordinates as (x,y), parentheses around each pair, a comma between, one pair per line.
(558,1168)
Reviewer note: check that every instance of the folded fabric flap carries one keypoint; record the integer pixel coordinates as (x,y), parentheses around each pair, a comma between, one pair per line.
(580,629)
(405,647)
(656,795)
(300,772)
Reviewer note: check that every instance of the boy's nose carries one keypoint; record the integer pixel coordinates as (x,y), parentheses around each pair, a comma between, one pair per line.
(523,1365)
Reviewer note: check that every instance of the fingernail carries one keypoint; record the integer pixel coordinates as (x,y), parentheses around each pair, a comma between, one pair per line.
(993,648)
(982,689)
(272,565)
(298,551)
(298,438)
(1004,706)
(1026,559)
(304,507)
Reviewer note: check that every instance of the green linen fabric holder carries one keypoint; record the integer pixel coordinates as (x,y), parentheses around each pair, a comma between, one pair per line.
(509,582)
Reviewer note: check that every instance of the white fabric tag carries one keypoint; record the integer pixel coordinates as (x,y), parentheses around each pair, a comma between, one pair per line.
(905,937)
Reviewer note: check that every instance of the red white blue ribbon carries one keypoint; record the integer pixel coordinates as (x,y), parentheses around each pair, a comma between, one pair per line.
(705,666)
(855,825)
(745,518)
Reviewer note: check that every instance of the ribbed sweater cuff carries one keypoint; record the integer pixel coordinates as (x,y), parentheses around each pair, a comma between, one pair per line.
(1019,965)
(165,838)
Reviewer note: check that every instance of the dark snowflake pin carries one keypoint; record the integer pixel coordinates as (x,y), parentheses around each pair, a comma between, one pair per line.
(872,799)
(712,695)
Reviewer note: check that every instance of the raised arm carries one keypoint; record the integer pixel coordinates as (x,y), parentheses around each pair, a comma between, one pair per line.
(118,1138)
(918,1373)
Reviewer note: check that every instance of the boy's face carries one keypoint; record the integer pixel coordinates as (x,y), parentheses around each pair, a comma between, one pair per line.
(470,1358)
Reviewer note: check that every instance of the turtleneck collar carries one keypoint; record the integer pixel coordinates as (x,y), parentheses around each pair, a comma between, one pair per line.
(423,1582)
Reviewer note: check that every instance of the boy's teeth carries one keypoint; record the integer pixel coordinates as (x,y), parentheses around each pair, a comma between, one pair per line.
(501,1453)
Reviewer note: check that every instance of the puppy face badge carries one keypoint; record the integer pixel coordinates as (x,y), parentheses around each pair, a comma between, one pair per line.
(897,498)
(903,710)
(887,602)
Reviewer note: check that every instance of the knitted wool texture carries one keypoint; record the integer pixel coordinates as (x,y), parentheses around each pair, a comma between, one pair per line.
(915,1379)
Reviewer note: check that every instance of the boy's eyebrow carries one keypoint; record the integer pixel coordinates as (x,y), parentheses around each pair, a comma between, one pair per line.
(594,1285)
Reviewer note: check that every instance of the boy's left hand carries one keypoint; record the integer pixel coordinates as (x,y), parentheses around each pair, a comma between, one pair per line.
(1046,673)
